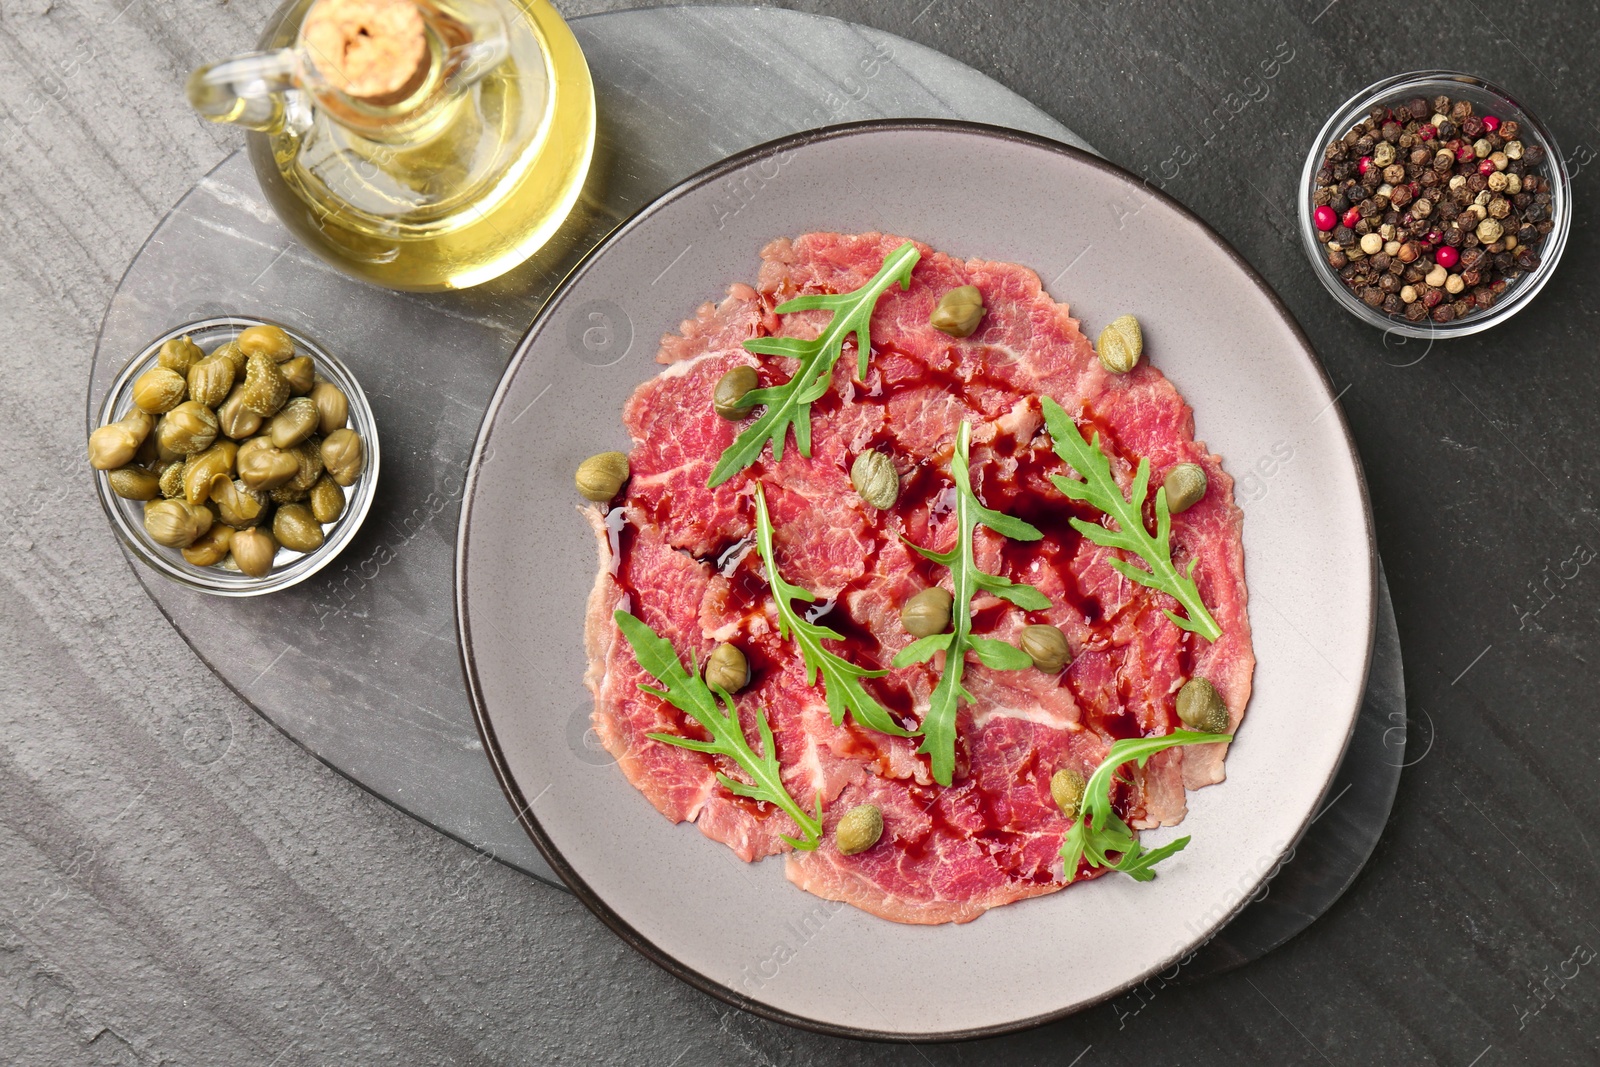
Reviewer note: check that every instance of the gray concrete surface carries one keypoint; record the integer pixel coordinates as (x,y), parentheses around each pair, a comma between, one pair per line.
(180,884)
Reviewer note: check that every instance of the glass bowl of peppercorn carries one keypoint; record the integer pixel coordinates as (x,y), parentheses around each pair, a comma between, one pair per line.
(1434,205)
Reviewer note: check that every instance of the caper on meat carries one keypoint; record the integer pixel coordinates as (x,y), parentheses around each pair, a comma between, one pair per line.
(178,355)
(1200,706)
(1046,646)
(202,467)
(134,483)
(265,387)
(175,523)
(211,548)
(1185,485)
(234,420)
(858,830)
(601,477)
(1066,789)
(188,428)
(327,500)
(266,340)
(727,668)
(1121,345)
(296,528)
(158,390)
(728,399)
(875,479)
(253,551)
(333,407)
(301,375)
(293,423)
(959,311)
(927,613)
(210,380)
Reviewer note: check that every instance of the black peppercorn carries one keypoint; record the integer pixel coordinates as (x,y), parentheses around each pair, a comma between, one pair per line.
(1472,127)
(1461,305)
(1533,155)
(1372,296)
(1389,283)
(1526,258)
(1447,130)
(1443,313)
(1345,236)
(1337,259)
(1504,262)
(1432,297)
(1379,261)
(1416,312)
(1393,304)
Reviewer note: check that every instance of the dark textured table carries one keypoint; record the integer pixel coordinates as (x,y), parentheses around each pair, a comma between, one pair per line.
(179,884)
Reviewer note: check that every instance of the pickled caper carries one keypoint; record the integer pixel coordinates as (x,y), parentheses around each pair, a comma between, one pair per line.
(601,477)
(179,354)
(1046,646)
(333,407)
(927,613)
(959,311)
(300,373)
(134,483)
(327,500)
(253,551)
(309,455)
(858,830)
(263,467)
(234,420)
(237,504)
(1066,789)
(1185,485)
(1201,707)
(188,428)
(210,380)
(175,523)
(211,548)
(171,480)
(268,341)
(288,494)
(342,456)
(231,351)
(296,528)
(293,423)
(728,398)
(265,387)
(726,668)
(116,443)
(204,466)
(158,390)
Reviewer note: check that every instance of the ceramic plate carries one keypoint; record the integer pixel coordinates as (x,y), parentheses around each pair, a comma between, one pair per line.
(1104,243)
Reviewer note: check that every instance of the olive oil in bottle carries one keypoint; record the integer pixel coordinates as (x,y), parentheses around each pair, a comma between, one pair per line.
(416,144)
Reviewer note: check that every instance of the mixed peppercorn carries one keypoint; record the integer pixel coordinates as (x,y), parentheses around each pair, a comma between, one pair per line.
(1427,210)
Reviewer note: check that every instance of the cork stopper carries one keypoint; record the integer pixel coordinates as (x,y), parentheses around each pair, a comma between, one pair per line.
(373,50)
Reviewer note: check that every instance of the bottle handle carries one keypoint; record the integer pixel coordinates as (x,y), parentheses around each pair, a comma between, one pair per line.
(245,90)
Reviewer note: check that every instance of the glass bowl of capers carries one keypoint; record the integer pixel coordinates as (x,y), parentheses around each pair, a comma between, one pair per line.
(235,456)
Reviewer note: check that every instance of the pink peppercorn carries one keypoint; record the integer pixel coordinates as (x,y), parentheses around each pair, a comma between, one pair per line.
(1491,123)
(1427,132)
(1352,217)
(1363,164)
(1486,167)
(1325,218)
(1447,257)
(1434,237)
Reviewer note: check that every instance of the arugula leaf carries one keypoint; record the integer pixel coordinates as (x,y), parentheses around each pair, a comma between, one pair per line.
(789,404)
(841,679)
(1100,490)
(939,726)
(688,692)
(1100,831)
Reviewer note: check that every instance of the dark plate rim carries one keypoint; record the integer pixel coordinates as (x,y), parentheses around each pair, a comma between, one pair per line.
(523,807)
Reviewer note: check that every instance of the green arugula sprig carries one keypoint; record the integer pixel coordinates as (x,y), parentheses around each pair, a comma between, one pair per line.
(1099,831)
(789,404)
(939,726)
(841,679)
(688,692)
(1101,491)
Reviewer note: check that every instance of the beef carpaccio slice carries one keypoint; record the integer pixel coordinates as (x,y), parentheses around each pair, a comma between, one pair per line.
(680,556)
